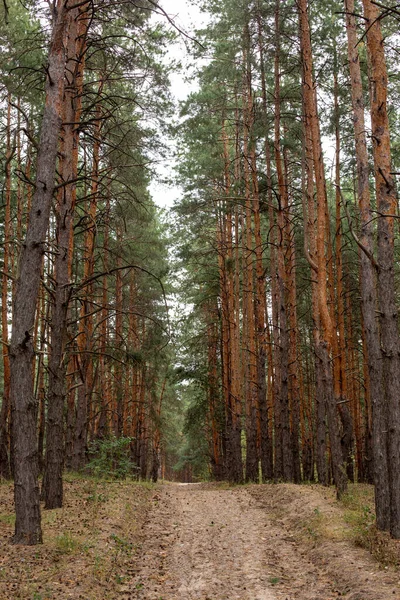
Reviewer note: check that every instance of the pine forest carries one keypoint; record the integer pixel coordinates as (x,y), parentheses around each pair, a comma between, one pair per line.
(242,339)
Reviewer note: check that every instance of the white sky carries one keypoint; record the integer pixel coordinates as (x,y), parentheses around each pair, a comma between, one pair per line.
(188,18)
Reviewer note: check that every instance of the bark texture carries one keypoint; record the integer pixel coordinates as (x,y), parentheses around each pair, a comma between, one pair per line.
(23,402)
(68,168)
(324,348)
(5,470)
(388,314)
(368,278)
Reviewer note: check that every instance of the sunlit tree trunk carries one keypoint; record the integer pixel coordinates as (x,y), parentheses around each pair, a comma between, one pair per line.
(324,348)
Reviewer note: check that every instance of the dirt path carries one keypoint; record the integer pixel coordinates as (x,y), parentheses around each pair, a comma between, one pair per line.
(209,543)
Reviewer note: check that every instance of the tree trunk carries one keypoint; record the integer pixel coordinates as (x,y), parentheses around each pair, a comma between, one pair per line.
(294,367)
(339,341)
(24,405)
(260,310)
(283,349)
(142,426)
(368,449)
(368,278)
(103,379)
(119,337)
(324,348)
(310,250)
(84,359)
(39,379)
(5,470)
(388,315)
(213,392)
(249,337)
(267,462)
(68,168)
(234,415)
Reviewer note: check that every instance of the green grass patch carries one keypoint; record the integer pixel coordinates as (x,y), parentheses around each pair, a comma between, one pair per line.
(360,517)
(67,544)
(7,519)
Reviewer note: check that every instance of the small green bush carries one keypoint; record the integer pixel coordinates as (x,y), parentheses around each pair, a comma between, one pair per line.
(67,544)
(110,457)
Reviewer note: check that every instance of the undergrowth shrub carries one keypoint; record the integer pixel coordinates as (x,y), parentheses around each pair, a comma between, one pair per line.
(110,457)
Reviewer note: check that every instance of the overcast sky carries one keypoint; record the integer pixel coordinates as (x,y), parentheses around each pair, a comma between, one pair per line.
(188,18)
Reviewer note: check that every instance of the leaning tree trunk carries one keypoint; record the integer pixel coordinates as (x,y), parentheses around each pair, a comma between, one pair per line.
(23,402)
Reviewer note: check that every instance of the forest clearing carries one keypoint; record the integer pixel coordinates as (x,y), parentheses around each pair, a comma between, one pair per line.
(200,541)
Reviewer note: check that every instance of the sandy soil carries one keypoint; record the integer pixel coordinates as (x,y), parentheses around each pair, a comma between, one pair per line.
(90,545)
(127,541)
(208,542)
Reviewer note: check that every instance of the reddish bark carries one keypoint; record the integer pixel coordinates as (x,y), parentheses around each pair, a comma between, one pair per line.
(68,169)
(324,348)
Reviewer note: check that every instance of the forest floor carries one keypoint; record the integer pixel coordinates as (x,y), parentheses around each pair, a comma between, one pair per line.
(201,541)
